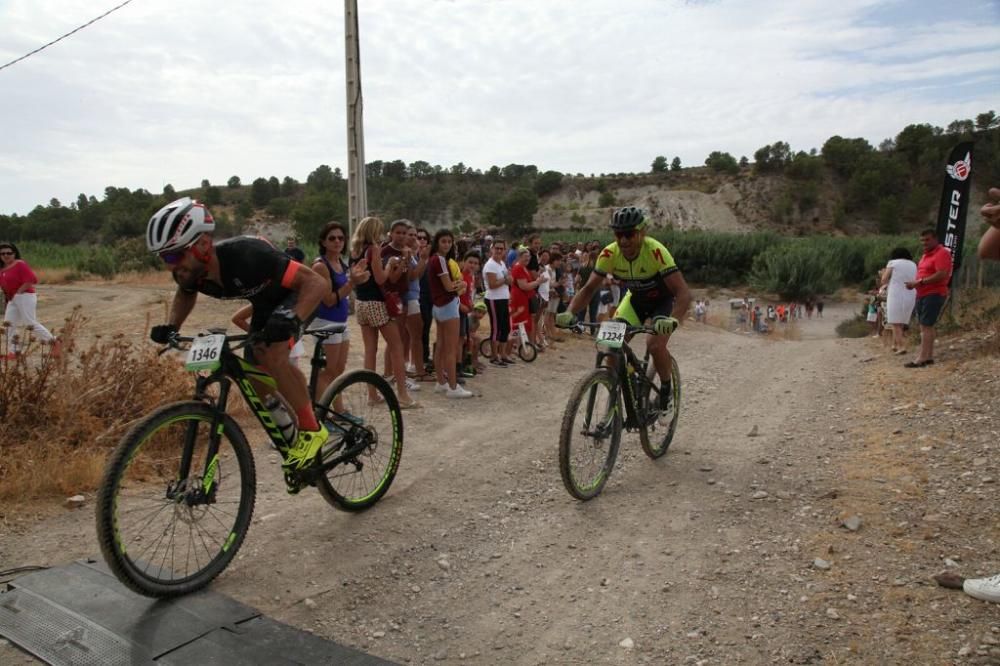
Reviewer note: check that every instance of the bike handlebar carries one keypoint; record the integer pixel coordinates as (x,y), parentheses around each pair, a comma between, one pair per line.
(629,329)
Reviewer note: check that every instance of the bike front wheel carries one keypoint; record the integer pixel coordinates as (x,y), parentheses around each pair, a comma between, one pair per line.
(527,352)
(165,530)
(362,415)
(590,434)
(661,423)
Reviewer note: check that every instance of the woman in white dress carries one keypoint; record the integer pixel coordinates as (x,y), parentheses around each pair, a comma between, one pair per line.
(900,300)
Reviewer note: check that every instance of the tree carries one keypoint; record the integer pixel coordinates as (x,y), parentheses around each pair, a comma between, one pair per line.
(274,187)
(260,192)
(515,211)
(888,216)
(960,127)
(279,207)
(169,192)
(396,170)
(913,140)
(420,169)
(988,120)
(722,162)
(772,158)
(321,179)
(659,164)
(548,182)
(289,186)
(744,162)
(804,167)
(205,184)
(675,164)
(233,182)
(374,170)
(213,195)
(844,155)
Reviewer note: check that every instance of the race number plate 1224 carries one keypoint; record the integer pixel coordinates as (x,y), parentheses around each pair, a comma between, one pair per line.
(205,353)
(611,334)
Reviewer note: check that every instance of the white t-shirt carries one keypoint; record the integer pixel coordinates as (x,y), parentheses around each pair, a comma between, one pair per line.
(543,288)
(499,269)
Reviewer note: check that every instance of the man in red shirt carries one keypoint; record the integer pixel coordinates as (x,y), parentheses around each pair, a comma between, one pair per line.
(933,275)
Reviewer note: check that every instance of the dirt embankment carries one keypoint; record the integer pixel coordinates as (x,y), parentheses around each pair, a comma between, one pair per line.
(727,550)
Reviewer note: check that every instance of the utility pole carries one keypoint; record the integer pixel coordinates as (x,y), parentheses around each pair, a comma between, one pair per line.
(357,191)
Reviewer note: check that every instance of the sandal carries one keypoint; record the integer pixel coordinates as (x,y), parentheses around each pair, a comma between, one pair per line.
(919,364)
(412,404)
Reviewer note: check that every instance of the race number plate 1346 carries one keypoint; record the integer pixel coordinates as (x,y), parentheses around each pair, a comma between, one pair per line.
(611,334)
(205,353)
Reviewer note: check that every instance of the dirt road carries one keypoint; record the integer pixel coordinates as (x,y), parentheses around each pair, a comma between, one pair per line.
(478,555)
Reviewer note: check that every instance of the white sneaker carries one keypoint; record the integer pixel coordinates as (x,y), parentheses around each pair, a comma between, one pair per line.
(987,589)
(459,392)
(440,388)
(411,369)
(412,385)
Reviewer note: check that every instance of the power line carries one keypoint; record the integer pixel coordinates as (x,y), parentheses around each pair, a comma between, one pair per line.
(41,48)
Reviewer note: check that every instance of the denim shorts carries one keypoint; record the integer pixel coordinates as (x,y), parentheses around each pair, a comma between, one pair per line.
(446,312)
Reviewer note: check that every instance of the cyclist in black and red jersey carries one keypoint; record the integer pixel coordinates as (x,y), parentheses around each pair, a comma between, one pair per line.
(282,291)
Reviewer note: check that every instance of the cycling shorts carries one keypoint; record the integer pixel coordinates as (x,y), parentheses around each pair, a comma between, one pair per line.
(636,316)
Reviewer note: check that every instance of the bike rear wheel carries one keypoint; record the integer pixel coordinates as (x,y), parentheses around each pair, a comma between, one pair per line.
(660,425)
(486,348)
(370,430)
(590,434)
(163,535)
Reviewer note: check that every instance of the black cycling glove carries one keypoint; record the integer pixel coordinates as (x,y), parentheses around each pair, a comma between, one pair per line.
(280,326)
(161,333)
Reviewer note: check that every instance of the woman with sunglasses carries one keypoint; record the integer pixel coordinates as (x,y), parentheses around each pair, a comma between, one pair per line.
(334,306)
(18,281)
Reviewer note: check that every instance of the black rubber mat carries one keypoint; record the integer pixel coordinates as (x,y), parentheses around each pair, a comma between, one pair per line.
(79,614)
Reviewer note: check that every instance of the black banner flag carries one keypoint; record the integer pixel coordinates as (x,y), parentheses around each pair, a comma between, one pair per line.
(955,202)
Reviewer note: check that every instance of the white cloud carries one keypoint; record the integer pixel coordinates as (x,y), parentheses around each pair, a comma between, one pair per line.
(179,91)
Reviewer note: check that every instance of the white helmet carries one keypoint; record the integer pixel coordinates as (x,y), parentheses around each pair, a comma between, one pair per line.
(177,225)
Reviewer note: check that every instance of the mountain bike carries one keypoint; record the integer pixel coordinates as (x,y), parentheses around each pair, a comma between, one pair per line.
(178,491)
(526,350)
(592,423)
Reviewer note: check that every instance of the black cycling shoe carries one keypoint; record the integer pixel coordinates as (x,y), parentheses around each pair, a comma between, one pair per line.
(666,397)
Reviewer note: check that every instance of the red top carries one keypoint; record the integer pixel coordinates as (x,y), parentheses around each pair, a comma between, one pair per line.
(436,267)
(16,275)
(938,259)
(470,289)
(520,272)
(402,283)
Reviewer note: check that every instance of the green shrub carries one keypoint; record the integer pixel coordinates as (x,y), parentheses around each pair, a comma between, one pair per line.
(795,271)
(100,262)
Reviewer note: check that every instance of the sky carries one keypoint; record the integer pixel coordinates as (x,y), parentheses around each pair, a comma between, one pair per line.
(175,91)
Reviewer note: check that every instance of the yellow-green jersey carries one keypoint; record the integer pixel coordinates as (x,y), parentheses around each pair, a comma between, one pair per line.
(642,276)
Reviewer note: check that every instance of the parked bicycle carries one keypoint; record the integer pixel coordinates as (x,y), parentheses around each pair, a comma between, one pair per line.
(592,423)
(526,350)
(178,492)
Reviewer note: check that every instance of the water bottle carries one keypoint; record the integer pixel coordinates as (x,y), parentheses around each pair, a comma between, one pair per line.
(281,418)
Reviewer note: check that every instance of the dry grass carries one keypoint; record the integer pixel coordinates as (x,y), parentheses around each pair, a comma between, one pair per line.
(62,416)
(55,275)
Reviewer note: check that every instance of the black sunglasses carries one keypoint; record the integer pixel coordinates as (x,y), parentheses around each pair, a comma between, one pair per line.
(7,252)
(625,233)
(333,238)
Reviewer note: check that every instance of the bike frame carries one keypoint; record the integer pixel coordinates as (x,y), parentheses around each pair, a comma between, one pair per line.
(232,369)
(621,360)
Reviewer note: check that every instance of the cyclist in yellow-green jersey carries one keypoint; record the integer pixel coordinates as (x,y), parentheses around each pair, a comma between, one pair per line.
(656,287)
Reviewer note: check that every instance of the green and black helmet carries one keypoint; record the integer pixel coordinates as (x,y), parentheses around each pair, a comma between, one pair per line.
(629,217)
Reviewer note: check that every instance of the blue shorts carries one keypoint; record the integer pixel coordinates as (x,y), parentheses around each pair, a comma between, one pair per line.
(929,309)
(446,312)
